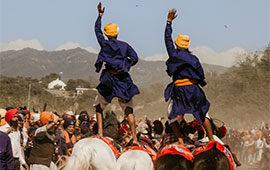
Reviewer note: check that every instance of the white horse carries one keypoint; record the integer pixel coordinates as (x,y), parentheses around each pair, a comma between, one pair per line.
(91,154)
(134,160)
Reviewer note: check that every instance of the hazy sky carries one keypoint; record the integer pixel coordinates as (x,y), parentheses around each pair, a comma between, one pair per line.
(217,24)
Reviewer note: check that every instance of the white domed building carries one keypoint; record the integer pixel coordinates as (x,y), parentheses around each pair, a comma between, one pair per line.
(57,82)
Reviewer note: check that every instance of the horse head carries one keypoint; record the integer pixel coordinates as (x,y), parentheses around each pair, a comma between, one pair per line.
(213,156)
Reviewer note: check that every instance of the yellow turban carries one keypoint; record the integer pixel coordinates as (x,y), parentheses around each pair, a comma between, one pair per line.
(182,41)
(111,30)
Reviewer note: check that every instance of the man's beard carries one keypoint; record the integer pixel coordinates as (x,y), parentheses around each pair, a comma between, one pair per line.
(14,124)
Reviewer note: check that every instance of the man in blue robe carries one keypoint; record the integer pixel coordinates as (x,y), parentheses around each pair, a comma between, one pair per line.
(6,155)
(115,80)
(184,93)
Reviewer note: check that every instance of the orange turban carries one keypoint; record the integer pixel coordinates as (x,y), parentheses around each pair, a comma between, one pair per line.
(182,41)
(46,116)
(111,30)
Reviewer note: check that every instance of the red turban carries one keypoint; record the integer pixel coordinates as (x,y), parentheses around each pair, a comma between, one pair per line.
(10,114)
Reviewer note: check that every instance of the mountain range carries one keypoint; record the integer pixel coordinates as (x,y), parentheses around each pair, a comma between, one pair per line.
(79,64)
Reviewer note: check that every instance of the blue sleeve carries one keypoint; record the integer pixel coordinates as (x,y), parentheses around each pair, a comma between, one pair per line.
(9,156)
(168,40)
(132,55)
(199,69)
(99,33)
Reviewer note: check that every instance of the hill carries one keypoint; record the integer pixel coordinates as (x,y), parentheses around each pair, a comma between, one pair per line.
(79,64)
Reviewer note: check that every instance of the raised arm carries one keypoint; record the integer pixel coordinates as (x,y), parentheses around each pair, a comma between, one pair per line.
(168,32)
(98,31)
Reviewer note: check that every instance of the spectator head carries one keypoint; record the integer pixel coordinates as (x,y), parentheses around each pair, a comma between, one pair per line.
(84,117)
(2,117)
(46,117)
(20,120)
(35,117)
(168,129)
(11,117)
(9,108)
(158,127)
(69,113)
(142,128)
(69,123)
(27,113)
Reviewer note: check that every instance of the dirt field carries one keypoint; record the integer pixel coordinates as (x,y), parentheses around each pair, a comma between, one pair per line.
(247,167)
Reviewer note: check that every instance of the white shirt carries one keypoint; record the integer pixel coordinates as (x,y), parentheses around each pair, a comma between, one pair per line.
(15,138)
(25,136)
(259,143)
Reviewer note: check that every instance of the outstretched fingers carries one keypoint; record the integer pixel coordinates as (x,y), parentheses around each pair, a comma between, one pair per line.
(100,9)
(172,14)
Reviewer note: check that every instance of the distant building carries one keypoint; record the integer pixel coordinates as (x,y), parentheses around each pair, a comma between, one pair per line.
(57,82)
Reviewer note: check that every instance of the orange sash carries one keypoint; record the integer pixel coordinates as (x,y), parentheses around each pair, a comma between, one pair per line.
(184,82)
(114,72)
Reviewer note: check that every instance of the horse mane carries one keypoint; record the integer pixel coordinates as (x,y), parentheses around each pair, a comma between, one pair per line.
(211,159)
(90,154)
(78,159)
(173,162)
(134,160)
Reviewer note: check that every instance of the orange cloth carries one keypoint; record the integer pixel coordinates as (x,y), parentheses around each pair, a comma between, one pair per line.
(176,150)
(184,82)
(2,122)
(68,140)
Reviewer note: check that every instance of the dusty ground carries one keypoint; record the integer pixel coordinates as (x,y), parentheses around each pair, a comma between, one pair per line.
(248,167)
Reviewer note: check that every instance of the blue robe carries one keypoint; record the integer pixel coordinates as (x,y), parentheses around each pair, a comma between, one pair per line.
(180,65)
(118,56)
(6,155)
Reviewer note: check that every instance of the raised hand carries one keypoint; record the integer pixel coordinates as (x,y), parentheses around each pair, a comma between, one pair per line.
(172,15)
(100,9)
